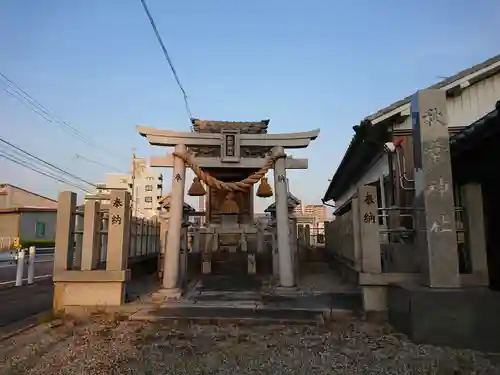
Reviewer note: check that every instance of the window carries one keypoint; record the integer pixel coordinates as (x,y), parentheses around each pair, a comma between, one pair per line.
(150,178)
(40,229)
(148,199)
(123,181)
(149,187)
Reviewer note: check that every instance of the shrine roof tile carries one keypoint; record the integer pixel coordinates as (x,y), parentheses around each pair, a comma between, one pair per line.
(248,127)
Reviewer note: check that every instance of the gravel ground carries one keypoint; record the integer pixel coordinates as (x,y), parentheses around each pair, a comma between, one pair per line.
(117,346)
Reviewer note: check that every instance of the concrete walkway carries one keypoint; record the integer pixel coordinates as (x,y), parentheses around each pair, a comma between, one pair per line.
(250,299)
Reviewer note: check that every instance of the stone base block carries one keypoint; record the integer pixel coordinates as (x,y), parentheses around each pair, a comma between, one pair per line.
(287,291)
(251,264)
(165,295)
(206,267)
(374,298)
(463,317)
(276,264)
(68,294)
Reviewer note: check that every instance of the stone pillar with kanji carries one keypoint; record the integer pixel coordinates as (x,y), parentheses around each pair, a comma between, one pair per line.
(374,296)
(434,199)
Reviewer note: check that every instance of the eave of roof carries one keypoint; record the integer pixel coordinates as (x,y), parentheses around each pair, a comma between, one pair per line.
(462,74)
(333,191)
(476,131)
(2,185)
(14,210)
(365,146)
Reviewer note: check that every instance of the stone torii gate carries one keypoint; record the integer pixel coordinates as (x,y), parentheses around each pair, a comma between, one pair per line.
(231,146)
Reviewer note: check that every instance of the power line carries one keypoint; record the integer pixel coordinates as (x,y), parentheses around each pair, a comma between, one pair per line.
(20,162)
(165,53)
(78,156)
(34,105)
(15,159)
(13,153)
(25,103)
(46,162)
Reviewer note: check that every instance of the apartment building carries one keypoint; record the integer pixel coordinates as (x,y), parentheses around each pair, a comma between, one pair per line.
(318,211)
(26,215)
(314,217)
(144,183)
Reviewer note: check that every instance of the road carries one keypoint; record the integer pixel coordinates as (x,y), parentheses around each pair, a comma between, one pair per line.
(19,303)
(23,302)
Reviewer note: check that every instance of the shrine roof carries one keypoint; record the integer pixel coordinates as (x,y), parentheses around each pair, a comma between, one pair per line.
(244,127)
(292,202)
(165,202)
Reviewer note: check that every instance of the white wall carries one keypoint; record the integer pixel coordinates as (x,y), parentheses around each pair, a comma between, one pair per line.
(473,103)
(378,169)
(27,230)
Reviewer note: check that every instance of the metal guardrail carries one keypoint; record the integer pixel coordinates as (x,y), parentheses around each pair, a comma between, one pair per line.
(10,256)
(20,259)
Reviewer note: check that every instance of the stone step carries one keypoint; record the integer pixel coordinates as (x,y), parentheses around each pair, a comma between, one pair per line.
(315,267)
(230,315)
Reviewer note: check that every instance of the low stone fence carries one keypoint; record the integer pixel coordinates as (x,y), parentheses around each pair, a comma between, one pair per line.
(376,247)
(96,248)
(340,237)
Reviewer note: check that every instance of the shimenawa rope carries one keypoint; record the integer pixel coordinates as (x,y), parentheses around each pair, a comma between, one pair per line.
(213,182)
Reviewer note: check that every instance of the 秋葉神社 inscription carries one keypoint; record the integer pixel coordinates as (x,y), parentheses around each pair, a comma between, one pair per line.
(432,117)
(434,150)
(440,187)
(441,225)
(436,239)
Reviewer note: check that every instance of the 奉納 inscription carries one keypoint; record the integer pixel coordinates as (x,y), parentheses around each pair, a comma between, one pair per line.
(369,199)
(116,220)
(369,218)
(117,202)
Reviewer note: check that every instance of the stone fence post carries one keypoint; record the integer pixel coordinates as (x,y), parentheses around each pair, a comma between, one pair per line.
(118,231)
(65,232)
(89,287)
(374,297)
(91,235)
(475,232)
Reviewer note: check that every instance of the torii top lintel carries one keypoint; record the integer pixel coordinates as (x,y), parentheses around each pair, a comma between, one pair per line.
(168,138)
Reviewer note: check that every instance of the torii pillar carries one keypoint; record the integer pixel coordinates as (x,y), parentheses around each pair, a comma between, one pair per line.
(172,252)
(282,228)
